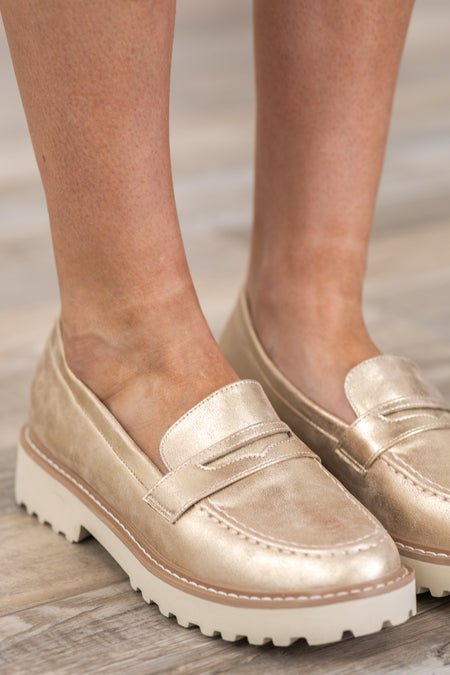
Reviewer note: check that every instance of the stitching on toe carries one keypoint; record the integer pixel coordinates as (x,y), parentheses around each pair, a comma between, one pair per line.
(216,507)
(189,582)
(283,549)
(439,488)
(420,487)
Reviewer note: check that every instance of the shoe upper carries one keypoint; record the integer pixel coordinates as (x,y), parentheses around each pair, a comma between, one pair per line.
(244,503)
(395,458)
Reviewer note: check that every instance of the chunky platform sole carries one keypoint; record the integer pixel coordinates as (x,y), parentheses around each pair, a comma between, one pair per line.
(430,576)
(57,497)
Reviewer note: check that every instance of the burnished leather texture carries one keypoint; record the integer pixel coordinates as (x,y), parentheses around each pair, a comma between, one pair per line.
(395,457)
(244,504)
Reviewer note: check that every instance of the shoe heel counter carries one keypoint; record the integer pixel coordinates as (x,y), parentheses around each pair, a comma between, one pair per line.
(44,394)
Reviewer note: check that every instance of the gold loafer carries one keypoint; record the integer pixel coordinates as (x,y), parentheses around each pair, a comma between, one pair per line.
(246,534)
(395,458)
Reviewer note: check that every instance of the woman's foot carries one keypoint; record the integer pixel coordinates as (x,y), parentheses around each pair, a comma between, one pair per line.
(150,370)
(394,458)
(315,345)
(210,543)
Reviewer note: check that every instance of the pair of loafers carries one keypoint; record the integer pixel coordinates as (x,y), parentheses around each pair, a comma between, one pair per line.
(245,533)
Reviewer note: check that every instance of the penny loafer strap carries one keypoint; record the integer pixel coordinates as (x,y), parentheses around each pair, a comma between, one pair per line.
(378,430)
(199,477)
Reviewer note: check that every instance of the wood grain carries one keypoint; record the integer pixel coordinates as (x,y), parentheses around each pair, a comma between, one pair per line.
(112,630)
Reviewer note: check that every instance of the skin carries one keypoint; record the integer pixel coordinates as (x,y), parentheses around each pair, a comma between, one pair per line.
(95,88)
(321,137)
(97,105)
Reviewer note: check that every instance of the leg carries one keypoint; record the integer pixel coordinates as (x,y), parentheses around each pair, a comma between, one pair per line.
(95,78)
(325,73)
(95,87)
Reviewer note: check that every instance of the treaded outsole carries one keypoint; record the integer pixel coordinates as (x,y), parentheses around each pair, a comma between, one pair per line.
(430,577)
(53,503)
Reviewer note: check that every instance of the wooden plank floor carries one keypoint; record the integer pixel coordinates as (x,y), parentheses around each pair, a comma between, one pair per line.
(68,608)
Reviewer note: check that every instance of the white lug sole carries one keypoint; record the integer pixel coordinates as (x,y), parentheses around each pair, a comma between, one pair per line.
(47,497)
(430,576)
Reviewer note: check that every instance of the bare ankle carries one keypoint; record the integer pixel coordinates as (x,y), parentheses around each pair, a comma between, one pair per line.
(314,342)
(117,338)
(149,375)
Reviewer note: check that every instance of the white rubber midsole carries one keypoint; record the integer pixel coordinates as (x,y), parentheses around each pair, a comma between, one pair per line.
(430,576)
(54,503)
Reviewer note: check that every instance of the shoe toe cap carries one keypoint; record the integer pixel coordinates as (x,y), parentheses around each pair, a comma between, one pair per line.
(290,529)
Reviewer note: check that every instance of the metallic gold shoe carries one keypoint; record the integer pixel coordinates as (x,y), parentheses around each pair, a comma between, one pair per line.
(245,535)
(395,458)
